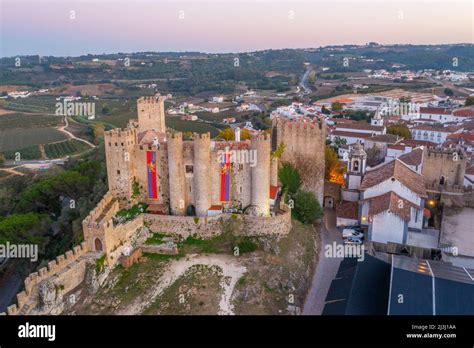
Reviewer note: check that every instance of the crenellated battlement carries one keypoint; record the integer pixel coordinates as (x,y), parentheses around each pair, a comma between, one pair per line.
(445,152)
(175,135)
(120,134)
(53,267)
(204,136)
(150,100)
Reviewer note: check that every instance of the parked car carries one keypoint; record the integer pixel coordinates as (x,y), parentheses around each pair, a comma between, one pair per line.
(348,232)
(355,228)
(353,241)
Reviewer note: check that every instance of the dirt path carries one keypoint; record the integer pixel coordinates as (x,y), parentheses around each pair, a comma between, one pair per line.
(231,272)
(13,171)
(70,135)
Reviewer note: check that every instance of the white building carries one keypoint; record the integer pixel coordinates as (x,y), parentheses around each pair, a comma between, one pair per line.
(434,133)
(392,203)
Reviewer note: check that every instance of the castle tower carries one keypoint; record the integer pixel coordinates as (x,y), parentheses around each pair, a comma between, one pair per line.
(261,174)
(305,143)
(120,153)
(202,173)
(176,170)
(151,114)
(356,166)
(443,166)
(377,119)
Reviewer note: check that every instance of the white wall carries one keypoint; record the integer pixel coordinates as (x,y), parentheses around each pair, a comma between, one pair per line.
(340,222)
(434,136)
(387,227)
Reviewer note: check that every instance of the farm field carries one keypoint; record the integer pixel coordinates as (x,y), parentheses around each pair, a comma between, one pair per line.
(12,139)
(191,126)
(21,120)
(65,148)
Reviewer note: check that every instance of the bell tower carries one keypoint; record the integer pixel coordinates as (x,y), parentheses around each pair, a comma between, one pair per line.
(356,166)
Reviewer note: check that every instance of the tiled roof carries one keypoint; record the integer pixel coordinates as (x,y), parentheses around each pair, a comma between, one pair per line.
(464,112)
(391,202)
(399,171)
(413,158)
(437,111)
(384,138)
(413,142)
(348,210)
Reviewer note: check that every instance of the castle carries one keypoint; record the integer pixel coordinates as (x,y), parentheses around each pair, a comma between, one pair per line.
(191,187)
(203,177)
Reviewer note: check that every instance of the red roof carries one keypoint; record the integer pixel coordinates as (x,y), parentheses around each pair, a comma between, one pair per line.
(464,113)
(215,207)
(396,170)
(273,192)
(435,111)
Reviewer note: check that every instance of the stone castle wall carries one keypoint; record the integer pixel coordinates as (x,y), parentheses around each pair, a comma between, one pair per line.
(208,227)
(54,268)
(305,144)
(447,163)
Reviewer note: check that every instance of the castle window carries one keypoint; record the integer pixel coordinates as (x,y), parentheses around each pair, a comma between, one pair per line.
(240,189)
(241,167)
(116,144)
(110,144)
(122,144)
(442,180)
(118,171)
(189,169)
(190,189)
(141,147)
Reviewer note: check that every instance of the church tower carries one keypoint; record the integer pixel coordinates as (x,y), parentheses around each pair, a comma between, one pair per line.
(377,119)
(356,166)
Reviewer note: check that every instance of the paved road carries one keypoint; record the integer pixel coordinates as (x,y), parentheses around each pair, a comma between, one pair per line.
(304,81)
(326,269)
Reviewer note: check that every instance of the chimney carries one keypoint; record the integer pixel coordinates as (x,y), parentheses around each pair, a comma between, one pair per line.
(237,134)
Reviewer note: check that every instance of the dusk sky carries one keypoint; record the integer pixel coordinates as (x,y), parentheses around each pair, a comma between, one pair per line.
(45,27)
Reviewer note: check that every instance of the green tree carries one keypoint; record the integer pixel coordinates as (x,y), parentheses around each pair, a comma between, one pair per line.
(399,129)
(449,92)
(290,178)
(336,106)
(28,228)
(2,159)
(306,207)
(340,141)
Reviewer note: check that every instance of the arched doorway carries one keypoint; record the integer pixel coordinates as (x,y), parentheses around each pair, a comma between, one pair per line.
(328,202)
(191,210)
(98,244)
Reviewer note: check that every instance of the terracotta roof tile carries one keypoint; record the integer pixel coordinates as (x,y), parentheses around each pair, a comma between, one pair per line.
(399,171)
(391,202)
(413,158)
(348,210)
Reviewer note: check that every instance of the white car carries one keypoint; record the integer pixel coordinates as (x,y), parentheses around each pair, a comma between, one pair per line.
(353,241)
(348,233)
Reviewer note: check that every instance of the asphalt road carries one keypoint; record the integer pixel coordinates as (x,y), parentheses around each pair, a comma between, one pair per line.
(326,269)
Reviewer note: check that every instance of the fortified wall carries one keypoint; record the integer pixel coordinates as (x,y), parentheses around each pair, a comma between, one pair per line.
(305,144)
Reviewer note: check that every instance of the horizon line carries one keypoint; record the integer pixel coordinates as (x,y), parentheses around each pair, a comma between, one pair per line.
(243,52)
